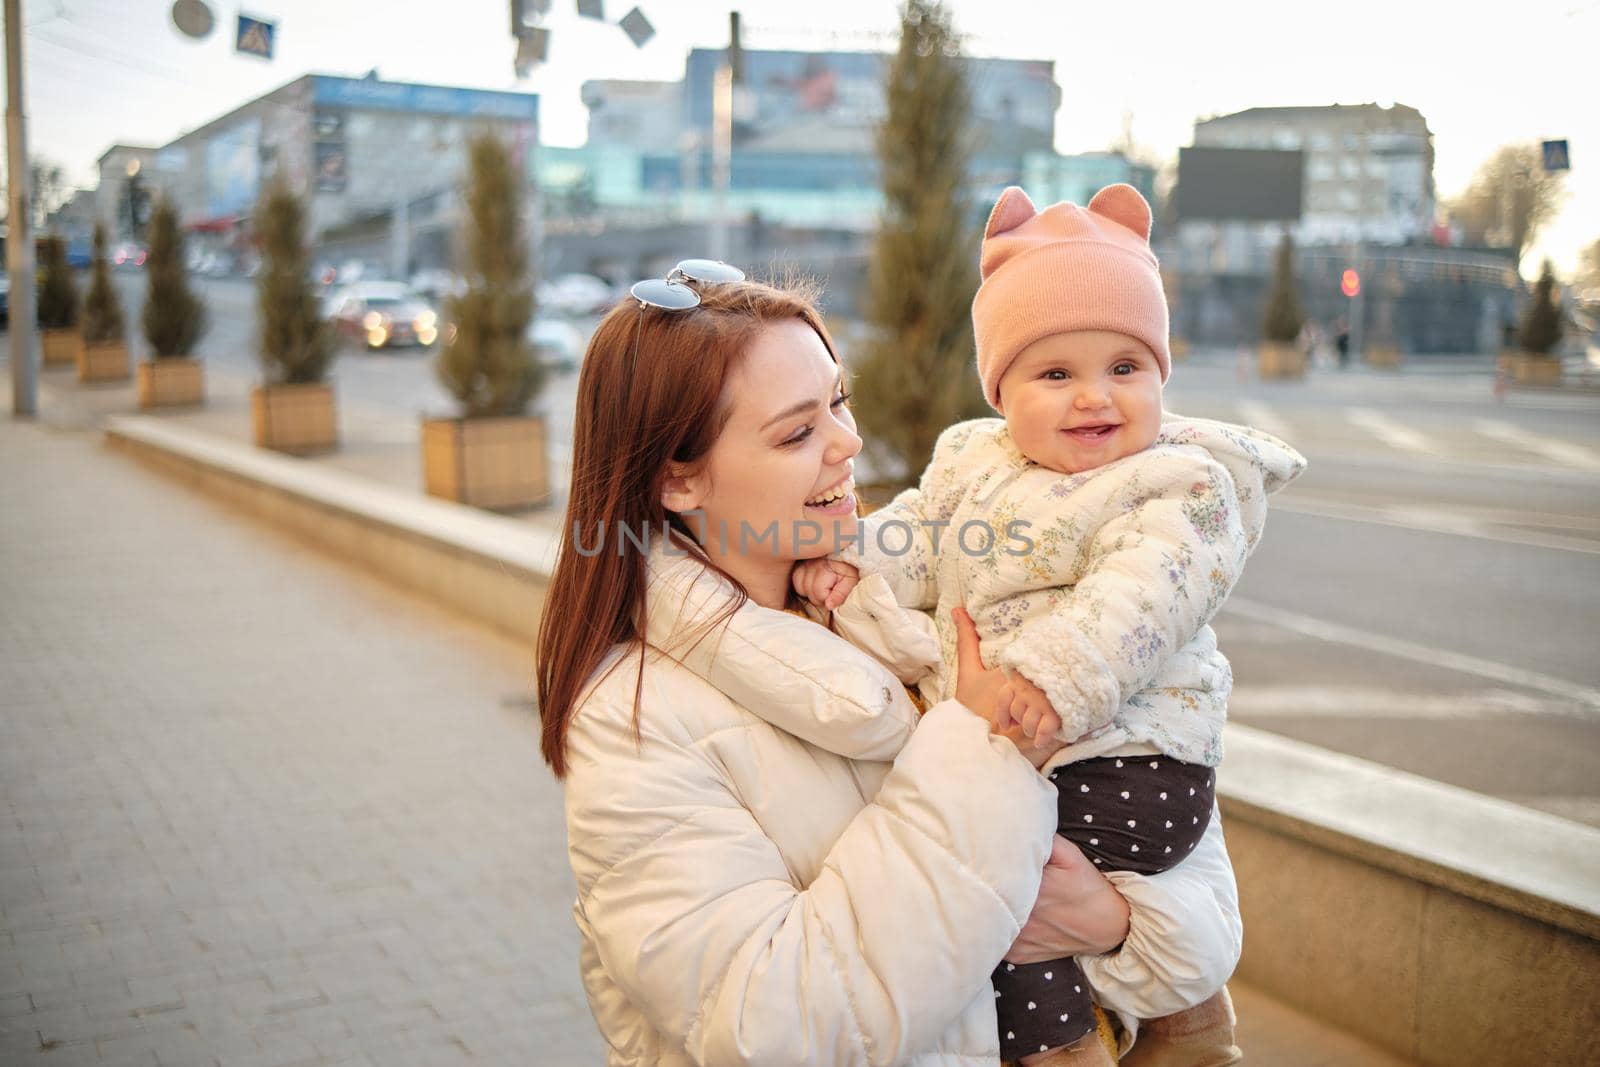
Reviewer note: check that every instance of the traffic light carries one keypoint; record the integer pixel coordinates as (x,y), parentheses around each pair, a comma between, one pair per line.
(1350,283)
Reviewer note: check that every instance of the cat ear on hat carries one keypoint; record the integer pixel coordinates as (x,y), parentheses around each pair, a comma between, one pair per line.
(1121,204)
(1010,211)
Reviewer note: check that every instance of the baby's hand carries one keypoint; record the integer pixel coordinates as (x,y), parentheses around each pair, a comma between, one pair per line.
(824,582)
(1022,702)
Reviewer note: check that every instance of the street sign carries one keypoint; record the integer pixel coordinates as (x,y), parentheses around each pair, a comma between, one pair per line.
(255,36)
(592,9)
(193,18)
(1555,156)
(637,27)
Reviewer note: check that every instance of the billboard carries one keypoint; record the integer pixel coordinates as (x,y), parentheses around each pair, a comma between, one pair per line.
(233,169)
(371,94)
(794,100)
(1248,184)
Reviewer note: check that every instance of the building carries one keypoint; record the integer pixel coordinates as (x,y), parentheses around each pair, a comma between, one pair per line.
(1364,202)
(363,151)
(804,127)
(1368,168)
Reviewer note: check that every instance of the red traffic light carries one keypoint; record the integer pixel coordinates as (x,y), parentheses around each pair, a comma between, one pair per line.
(1350,284)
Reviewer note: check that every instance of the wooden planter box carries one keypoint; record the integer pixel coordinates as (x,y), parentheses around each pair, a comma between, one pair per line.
(170,381)
(298,419)
(1283,361)
(1526,368)
(1383,355)
(59,348)
(106,362)
(497,463)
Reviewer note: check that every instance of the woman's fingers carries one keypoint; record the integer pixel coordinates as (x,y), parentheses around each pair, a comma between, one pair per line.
(1002,709)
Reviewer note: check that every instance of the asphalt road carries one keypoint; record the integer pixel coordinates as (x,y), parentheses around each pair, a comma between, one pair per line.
(1425,596)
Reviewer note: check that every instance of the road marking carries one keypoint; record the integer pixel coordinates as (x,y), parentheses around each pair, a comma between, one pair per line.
(1561,451)
(1323,630)
(1390,432)
(1369,702)
(1429,520)
(1256,414)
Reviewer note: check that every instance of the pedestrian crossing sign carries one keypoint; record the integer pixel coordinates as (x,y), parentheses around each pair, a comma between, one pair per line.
(255,36)
(1555,156)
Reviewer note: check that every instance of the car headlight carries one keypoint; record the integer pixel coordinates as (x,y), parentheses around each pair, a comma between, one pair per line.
(425,321)
(372,320)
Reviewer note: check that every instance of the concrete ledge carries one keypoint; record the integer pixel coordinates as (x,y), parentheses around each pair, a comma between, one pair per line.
(1438,923)
(1444,925)
(493,568)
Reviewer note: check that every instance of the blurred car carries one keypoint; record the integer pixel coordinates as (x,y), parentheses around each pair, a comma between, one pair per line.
(128,254)
(383,315)
(5,299)
(556,344)
(559,345)
(436,284)
(574,294)
(80,253)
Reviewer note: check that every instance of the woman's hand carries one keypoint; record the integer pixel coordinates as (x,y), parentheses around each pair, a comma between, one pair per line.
(1078,911)
(980,688)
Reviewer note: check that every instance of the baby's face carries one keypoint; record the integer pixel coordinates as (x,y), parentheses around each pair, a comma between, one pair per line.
(1076,401)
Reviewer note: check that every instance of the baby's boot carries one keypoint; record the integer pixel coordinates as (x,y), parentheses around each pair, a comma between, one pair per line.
(1203,1036)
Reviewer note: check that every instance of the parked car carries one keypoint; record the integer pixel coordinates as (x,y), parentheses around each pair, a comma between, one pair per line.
(128,254)
(382,315)
(559,344)
(574,294)
(436,284)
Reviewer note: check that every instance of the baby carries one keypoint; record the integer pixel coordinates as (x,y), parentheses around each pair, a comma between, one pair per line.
(1092,541)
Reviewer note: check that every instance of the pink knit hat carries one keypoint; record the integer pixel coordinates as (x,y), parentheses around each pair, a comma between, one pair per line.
(1066,268)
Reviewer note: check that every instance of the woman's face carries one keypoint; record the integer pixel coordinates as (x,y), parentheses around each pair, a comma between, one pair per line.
(778,479)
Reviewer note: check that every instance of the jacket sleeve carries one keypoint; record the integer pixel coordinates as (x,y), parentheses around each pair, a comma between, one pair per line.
(1157,572)
(901,540)
(699,921)
(1184,935)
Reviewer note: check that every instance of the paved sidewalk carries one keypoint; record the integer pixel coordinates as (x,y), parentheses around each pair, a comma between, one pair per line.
(257,807)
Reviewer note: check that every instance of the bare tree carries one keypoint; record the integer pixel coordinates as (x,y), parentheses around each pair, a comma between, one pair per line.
(49,189)
(1510,199)
(1588,268)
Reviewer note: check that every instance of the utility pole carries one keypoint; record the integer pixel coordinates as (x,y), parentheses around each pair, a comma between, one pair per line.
(19,242)
(729,73)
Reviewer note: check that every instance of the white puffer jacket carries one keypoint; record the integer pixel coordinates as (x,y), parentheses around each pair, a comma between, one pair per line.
(758,882)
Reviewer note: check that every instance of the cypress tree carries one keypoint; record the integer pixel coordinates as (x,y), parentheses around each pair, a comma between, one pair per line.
(487,363)
(1541,323)
(917,372)
(1284,316)
(58,294)
(173,317)
(102,309)
(295,345)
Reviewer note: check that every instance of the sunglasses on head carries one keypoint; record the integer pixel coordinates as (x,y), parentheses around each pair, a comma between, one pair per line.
(672,294)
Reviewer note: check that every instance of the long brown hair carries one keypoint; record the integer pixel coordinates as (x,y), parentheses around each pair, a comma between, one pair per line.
(650,393)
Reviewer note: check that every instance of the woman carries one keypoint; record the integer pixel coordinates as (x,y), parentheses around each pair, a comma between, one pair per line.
(757,881)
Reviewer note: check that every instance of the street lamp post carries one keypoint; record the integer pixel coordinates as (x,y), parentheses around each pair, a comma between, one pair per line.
(19,242)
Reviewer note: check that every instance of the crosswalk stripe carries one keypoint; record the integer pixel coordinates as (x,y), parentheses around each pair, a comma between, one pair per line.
(1260,416)
(1389,432)
(1588,697)
(1561,451)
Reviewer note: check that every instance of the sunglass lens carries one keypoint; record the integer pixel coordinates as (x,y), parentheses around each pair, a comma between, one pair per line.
(669,295)
(710,270)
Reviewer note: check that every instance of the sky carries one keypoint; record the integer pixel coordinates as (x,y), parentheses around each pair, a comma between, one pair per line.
(1482,74)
